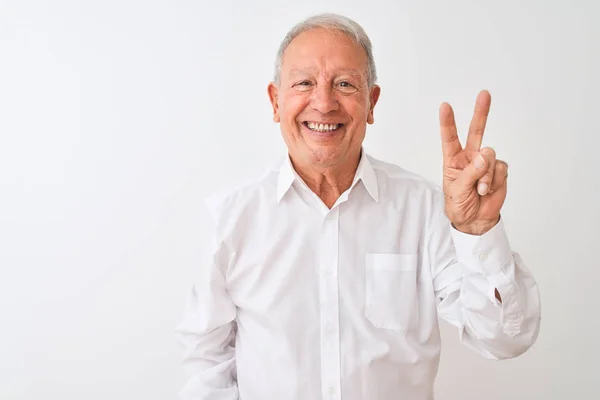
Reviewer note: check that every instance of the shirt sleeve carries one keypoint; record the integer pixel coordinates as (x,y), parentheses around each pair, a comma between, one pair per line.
(207,331)
(467,271)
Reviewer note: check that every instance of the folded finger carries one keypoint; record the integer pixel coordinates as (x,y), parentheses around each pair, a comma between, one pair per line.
(500,175)
(485,182)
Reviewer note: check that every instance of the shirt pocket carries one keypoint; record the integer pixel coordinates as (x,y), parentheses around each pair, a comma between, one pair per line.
(391,292)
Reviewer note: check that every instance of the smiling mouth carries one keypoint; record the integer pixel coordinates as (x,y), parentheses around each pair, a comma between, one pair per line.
(322,128)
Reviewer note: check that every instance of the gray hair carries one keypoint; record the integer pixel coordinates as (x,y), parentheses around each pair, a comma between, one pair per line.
(334,22)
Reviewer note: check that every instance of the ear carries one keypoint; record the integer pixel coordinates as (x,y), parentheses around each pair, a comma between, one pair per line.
(373,98)
(273,96)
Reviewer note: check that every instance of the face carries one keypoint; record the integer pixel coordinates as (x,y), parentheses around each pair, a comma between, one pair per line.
(323,102)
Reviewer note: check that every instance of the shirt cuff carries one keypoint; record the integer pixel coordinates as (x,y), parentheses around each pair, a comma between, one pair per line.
(485,254)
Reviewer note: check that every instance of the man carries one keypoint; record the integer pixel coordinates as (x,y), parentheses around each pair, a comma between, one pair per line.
(328,274)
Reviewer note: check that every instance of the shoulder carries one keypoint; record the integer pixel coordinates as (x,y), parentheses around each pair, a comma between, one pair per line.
(234,197)
(407,190)
(395,178)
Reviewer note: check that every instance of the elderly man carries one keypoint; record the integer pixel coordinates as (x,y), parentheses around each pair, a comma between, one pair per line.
(328,274)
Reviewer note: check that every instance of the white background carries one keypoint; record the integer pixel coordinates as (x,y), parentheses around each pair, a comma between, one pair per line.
(118,117)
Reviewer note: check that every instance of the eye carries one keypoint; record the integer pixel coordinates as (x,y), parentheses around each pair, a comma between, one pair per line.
(346,87)
(303,85)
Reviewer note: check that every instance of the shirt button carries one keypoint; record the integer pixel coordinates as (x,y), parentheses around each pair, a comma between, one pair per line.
(331,390)
(330,330)
(483,256)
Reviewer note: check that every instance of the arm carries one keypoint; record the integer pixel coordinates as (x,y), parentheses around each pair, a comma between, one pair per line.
(470,273)
(207,333)
(483,286)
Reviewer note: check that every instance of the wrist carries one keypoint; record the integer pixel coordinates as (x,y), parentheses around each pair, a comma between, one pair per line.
(476,228)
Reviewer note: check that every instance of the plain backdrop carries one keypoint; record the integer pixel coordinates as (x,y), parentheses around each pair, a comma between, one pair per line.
(118,117)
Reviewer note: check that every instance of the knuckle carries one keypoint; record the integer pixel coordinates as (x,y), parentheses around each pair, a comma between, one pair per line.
(501,167)
(478,131)
(490,152)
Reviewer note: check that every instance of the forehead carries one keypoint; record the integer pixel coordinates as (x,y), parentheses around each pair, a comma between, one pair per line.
(322,50)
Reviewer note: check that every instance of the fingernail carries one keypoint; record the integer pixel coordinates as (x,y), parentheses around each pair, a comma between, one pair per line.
(482,188)
(479,161)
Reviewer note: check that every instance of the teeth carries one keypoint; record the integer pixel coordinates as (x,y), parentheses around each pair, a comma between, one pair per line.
(323,127)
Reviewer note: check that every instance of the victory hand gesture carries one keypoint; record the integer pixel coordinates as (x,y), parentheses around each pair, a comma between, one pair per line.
(474,180)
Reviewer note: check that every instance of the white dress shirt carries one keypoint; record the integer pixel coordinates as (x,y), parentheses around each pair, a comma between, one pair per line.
(296,301)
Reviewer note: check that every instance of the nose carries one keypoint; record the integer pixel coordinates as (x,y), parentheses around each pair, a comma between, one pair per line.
(324,99)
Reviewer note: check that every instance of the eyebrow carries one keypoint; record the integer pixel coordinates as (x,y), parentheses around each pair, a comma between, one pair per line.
(351,71)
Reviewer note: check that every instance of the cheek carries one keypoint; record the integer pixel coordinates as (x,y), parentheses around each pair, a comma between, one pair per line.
(292,106)
(358,110)
(355,104)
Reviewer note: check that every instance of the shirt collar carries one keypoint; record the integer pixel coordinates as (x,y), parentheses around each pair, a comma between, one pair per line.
(364,173)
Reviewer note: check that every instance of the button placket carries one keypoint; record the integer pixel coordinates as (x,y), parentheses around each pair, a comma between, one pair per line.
(330,345)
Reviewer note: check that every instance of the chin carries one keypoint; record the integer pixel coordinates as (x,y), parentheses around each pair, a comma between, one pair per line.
(324,156)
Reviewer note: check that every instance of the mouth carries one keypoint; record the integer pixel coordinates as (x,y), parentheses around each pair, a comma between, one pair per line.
(321,128)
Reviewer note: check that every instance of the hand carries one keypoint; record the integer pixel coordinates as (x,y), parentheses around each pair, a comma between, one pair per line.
(474,180)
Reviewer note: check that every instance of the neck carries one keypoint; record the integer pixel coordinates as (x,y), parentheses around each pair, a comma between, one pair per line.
(329,182)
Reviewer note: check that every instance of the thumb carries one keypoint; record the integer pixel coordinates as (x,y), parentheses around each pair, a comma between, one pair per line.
(472,172)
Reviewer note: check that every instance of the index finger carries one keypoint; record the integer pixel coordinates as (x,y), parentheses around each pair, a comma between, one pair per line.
(450,143)
(480,115)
